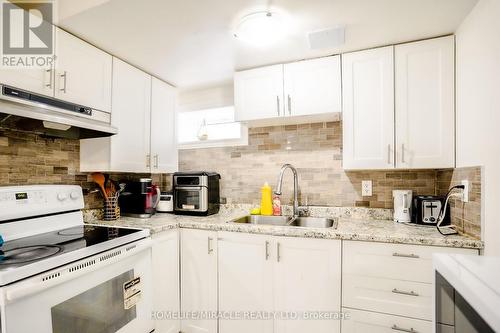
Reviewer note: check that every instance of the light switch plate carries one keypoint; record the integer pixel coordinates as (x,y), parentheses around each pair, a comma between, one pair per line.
(465,197)
(366,188)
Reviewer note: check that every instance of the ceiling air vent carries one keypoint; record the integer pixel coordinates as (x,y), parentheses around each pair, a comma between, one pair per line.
(327,38)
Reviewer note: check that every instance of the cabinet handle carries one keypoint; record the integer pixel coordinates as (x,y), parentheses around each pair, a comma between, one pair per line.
(289,105)
(209,244)
(156,161)
(400,329)
(64,76)
(49,85)
(278,254)
(411,255)
(148,161)
(278,104)
(389,154)
(402,153)
(402,292)
(267,250)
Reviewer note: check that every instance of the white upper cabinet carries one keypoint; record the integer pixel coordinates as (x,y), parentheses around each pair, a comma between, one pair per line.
(235,291)
(425,110)
(401,114)
(303,91)
(130,148)
(163,141)
(312,86)
(368,109)
(40,81)
(83,72)
(258,93)
(144,113)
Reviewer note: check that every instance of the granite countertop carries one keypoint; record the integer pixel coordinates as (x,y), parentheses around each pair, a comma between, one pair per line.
(353,224)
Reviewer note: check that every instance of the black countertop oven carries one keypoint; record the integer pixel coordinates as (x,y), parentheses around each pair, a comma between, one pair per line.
(196,193)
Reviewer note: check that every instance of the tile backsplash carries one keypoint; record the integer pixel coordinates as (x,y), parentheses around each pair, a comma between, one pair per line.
(28,158)
(314,149)
(466,216)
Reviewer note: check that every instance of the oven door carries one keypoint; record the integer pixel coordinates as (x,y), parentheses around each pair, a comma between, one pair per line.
(106,293)
(191,199)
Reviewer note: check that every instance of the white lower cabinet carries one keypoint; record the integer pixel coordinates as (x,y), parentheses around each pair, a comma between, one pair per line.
(289,276)
(165,260)
(391,283)
(307,281)
(198,280)
(245,281)
(398,297)
(370,322)
(272,284)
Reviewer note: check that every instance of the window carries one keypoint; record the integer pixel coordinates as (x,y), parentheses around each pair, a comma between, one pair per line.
(213,127)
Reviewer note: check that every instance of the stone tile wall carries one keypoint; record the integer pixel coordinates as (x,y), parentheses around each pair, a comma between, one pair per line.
(467,216)
(27,158)
(316,151)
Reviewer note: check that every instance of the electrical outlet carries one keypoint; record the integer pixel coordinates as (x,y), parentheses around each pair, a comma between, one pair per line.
(366,188)
(465,196)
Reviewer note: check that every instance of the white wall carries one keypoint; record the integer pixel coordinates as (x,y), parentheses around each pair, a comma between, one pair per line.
(478,108)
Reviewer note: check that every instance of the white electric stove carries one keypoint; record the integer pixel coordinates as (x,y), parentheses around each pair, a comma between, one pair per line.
(58,274)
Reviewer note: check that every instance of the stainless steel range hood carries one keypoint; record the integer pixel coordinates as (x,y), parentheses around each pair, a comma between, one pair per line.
(22,110)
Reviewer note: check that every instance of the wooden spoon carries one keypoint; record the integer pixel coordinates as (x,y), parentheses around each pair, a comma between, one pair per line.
(100,180)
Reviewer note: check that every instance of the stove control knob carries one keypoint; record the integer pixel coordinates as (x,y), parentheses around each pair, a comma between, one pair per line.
(74,195)
(62,196)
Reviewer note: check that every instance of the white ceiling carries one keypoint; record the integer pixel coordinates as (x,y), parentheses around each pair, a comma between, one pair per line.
(189,43)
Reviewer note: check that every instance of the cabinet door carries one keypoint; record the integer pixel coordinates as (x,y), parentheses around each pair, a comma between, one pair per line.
(245,280)
(258,93)
(307,275)
(36,80)
(163,141)
(425,111)
(131,115)
(83,72)
(312,86)
(368,112)
(166,298)
(198,279)
(40,81)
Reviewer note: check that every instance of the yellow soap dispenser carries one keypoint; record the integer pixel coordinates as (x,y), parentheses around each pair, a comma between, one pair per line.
(266,203)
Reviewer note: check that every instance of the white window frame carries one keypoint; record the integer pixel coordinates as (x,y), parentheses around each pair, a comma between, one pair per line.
(241,141)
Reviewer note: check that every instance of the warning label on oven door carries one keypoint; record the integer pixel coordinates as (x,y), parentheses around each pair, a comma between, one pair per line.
(132,292)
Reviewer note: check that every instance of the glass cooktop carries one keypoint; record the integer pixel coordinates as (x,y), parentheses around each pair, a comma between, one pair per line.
(24,251)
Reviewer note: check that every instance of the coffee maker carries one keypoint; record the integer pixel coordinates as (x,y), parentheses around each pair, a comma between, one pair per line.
(139,198)
(402,205)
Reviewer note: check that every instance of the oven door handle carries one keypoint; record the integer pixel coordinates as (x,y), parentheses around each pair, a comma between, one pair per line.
(189,188)
(28,288)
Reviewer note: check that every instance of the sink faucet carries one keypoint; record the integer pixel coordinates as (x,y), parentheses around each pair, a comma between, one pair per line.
(295,188)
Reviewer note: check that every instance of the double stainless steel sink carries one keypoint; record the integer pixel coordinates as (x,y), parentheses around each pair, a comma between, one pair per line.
(309,222)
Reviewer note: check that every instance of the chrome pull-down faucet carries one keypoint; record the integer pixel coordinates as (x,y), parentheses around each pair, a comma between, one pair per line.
(295,188)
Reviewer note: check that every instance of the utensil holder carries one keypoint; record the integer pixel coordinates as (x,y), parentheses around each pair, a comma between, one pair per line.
(111,209)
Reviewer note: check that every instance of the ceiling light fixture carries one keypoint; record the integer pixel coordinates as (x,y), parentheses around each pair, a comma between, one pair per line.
(261,28)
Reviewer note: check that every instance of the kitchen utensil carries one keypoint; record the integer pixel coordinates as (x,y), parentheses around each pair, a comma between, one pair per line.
(100,180)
